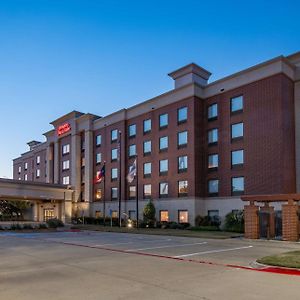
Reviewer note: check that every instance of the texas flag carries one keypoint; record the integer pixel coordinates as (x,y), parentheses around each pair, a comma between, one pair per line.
(100,174)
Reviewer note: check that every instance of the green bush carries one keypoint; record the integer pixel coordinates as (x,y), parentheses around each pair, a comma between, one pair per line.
(43,226)
(207,221)
(205,228)
(54,223)
(27,226)
(149,213)
(16,227)
(234,222)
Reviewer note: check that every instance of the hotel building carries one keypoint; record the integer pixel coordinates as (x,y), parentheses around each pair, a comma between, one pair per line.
(199,147)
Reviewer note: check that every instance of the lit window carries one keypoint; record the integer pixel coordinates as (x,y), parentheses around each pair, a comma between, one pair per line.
(212,111)
(66,149)
(132,150)
(38,173)
(66,165)
(114,214)
(237,157)
(182,114)
(19,170)
(66,180)
(114,193)
(147,125)
(114,174)
(237,185)
(182,138)
(213,187)
(236,104)
(163,143)
(182,188)
(26,166)
(25,177)
(147,147)
(147,169)
(164,216)
(132,130)
(98,140)
(183,216)
(38,160)
(114,135)
(182,163)
(147,191)
(98,158)
(114,154)
(98,195)
(213,136)
(163,120)
(82,162)
(163,189)
(163,166)
(213,161)
(132,192)
(237,130)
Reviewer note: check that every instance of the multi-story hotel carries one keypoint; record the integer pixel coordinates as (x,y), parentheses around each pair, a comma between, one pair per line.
(198,147)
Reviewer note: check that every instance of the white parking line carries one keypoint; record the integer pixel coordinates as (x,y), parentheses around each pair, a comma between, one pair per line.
(168,246)
(213,251)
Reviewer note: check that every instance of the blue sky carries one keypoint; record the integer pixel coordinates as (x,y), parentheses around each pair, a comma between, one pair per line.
(101,56)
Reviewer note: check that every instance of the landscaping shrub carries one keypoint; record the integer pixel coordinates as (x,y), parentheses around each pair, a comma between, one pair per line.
(16,227)
(149,212)
(234,221)
(205,228)
(54,223)
(201,221)
(43,226)
(27,226)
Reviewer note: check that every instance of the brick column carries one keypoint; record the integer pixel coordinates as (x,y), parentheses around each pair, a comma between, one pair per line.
(271,221)
(251,221)
(290,221)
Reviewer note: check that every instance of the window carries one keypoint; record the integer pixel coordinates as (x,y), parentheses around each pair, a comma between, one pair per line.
(98,140)
(132,150)
(147,169)
(212,112)
(131,214)
(82,162)
(213,161)
(236,104)
(237,157)
(213,213)
(147,125)
(98,194)
(114,214)
(25,177)
(132,192)
(182,188)
(147,191)
(237,130)
(213,136)
(66,149)
(66,165)
(98,214)
(182,139)
(163,143)
(183,216)
(213,187)
(82,144)
(114,135)
(182,163)
(164,216)
(163,121)
(26,166)
(132,130)
(38,173)
(66,180)
(38,160)
(19,170)
(114,174)
(163,167)
(182,114)
(114,193)
(114,154)
(98,158)
(147,147)
(237,185)
(163,189)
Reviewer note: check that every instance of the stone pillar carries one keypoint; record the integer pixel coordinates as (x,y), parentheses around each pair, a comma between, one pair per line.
(76,165)
(36,207)
(290,221)
(56,162)
(49,166)
(271,219)
(251,221)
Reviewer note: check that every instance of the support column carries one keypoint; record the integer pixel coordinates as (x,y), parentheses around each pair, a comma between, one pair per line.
(251,221)
(36,208)
(76,165)
(271,219)
(49,166)
(290,221)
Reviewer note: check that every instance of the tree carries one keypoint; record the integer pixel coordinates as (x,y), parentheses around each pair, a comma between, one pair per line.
(149,212)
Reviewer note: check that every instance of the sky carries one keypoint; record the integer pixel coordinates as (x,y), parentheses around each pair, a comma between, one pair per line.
(101,56)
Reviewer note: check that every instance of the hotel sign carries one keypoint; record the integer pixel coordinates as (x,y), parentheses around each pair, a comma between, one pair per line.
(64,128)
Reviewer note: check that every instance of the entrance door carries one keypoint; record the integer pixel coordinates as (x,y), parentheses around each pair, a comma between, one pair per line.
(264,224)
(48,214)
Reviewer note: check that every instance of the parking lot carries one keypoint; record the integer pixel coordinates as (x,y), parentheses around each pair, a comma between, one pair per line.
(102,265)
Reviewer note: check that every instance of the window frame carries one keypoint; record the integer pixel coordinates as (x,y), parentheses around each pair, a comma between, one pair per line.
(179,146)
(233,112)
(159,123)
(180,195)
(237,193)
(213,194)
(213,118)
(181,121)
(240,137)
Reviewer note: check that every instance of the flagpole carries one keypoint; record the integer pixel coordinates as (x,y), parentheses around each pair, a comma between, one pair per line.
(137,192)
(104,214)
(120,179)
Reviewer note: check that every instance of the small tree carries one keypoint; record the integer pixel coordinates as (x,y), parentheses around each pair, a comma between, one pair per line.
(149,212)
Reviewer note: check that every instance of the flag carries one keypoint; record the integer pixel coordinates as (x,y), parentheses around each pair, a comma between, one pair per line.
(132,172)
(100,174)
(181,162)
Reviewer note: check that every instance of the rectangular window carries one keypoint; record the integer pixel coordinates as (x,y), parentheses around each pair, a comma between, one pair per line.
(114,193)
(147,191)
(182,139)
(66,165)
(132,130)
(38,173)
(114,174)
(26,166)
(182,163)
(98,140)
(147,147)
(82,162)
(237,157)
(213,187)
(98,158)
(25,177)
(237,185)
(38,160)
(114,135)
(147,125)
(132,192)
(163,143)
(132,215)
(182,188)
(163,121)
(213,213)
(98,194)
(147,169)
(164,216)
(213,136)
(236,104)
(237,130)
(114,214)
(132,150)
(163,189)
(213,161)
(163,167)
(19,170)
(66,149)
(98,214)
(183,216)
(212,112)
(66,180)
(182,115)
(114,154)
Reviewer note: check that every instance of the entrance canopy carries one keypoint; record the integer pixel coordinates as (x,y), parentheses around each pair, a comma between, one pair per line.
(271,198)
